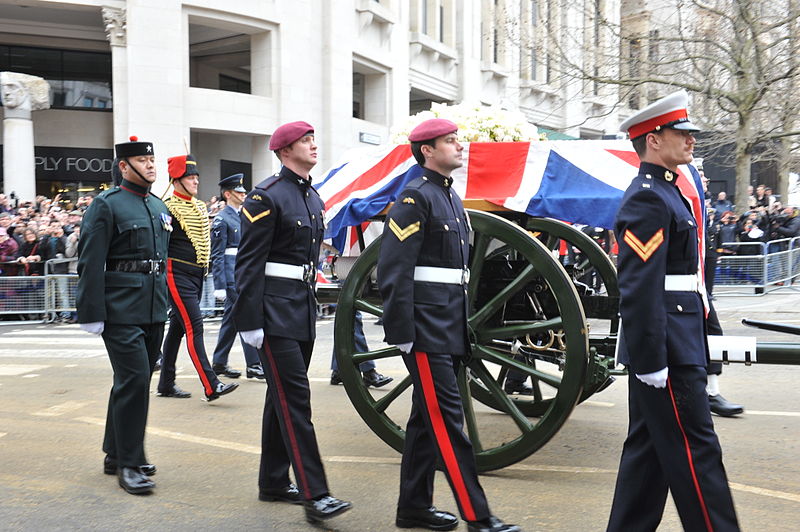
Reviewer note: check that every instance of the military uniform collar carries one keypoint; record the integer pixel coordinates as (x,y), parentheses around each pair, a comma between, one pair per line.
(184,197)
(435,177)
(654,171)
(293,177)
(130,186)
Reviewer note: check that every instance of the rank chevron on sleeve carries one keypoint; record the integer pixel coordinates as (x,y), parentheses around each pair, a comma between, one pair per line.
(403,233)
(645,251)
(254,219)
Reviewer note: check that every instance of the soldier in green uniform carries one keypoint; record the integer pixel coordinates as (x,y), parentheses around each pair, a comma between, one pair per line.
(122,295)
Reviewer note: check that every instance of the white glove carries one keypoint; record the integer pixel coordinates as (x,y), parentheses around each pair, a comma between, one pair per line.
(96,327)
(657,379)
(254,337)
(220,294)
(406,347)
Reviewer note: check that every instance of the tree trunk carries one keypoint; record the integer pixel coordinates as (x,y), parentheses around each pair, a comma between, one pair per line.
(743,163)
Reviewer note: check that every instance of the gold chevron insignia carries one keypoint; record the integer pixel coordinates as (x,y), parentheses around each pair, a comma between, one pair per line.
(645,251)
(402,234)
(256,197)
(409,200)
(254,219)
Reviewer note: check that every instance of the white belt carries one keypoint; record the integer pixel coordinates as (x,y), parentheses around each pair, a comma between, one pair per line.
(289,271)
(431,274)
(231,251)
(681,283)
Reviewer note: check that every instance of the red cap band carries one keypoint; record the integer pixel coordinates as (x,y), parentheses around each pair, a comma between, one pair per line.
(650,125)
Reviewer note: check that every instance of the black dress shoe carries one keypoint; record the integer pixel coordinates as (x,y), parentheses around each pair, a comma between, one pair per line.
(221,389)
(134,481)
(256,372)
(373,378)
(493,524)
(722,407)
(288,494)
(429,518)
(335,378)
(175,392)
(324,507)
(519,387)
(226,370)
(157,366)
(110,467)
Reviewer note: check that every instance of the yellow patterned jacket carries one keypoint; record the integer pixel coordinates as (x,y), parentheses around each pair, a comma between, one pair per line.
(190,241)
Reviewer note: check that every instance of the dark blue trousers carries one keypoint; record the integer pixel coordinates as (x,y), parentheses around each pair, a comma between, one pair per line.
(227,335)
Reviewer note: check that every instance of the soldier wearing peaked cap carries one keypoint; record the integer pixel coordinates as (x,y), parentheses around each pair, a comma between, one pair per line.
(122,294)
(282,229)
(187,266)
(226,231)
(422,276)
(671,443)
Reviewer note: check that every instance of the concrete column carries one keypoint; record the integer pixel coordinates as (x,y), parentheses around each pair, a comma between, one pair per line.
(19,165)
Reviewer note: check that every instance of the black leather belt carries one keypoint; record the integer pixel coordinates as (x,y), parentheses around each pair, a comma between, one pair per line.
(136,266)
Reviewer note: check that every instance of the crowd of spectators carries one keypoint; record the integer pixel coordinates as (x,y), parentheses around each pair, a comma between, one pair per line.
(766,221)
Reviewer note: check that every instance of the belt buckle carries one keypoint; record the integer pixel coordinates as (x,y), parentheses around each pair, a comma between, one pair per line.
(465,276)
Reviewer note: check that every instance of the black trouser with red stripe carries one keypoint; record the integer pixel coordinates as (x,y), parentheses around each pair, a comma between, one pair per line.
(435,432)
(185,285)
(287,434)
(671,445)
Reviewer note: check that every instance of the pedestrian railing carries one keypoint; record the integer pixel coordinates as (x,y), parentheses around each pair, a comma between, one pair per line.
(757,267)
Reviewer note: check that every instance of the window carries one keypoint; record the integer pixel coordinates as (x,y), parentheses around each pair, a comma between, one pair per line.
(369,92)
(219,59)
(358,95)
(77,79)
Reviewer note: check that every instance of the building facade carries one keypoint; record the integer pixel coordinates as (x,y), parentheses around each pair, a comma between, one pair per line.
(217,77)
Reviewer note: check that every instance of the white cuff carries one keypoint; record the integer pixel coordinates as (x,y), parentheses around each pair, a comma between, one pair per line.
(406,347)
(657,379)
(95,327)
(254,337)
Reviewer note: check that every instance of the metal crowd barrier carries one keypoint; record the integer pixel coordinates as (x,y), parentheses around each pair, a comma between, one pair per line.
(757,266)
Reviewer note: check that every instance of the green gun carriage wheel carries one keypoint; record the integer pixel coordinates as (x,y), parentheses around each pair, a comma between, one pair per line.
(516,292)
(599,302)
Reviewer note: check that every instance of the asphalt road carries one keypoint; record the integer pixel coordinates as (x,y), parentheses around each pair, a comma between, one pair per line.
(54,382)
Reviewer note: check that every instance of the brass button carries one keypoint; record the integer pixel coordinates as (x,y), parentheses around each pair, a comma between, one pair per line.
(680,308)
(446,227)
(299,223)
(462,241)
(313,217)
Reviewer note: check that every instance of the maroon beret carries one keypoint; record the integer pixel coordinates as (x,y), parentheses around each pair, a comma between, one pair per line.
(430,129)
(288,133)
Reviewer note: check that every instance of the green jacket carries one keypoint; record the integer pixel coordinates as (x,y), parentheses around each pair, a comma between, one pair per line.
(125,222)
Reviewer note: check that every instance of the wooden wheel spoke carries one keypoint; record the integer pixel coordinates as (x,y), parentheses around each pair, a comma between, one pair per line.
(386,352)
(494,304)
(469,410)
(369,308)
(503,360)
(506,404)
(518,330)
(383,403)
(481,244)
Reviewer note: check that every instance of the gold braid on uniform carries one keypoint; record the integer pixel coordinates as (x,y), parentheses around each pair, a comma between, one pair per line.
(193,218)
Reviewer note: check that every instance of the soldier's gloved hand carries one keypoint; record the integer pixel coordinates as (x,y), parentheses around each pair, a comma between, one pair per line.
(220,294)
(406,347)
(96,327)
(254,337)
(657,379)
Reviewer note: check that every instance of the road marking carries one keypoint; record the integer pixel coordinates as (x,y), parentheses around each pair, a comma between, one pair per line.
(71,366)
(180,436)
(3,434)
(765,492)
(253,449)
(12,370)
(53,353)
(599,403)
(30,376)
(771,413)
(63,408)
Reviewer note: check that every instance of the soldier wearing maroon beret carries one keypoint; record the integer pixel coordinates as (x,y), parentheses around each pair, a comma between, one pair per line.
(276,271)
(423,276)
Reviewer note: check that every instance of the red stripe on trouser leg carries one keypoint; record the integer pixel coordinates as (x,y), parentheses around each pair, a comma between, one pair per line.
(691,461)
(284,408)
(441,435)
(187,327)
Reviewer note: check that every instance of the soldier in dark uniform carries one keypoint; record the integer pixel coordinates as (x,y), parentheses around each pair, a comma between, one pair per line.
(422,276)
(671,443)
(187,267)
(122,294)
(225,236)
(282,229)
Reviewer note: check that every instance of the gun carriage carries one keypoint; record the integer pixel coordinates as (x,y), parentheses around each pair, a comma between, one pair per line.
(555,324)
